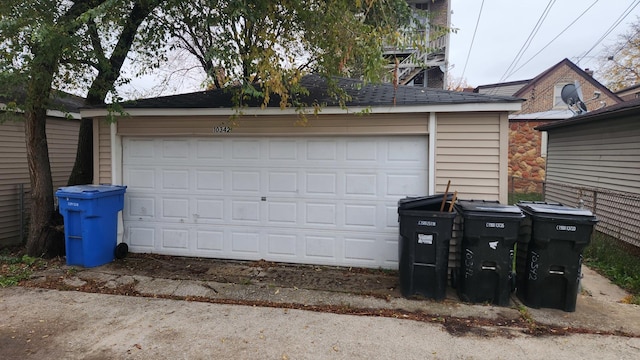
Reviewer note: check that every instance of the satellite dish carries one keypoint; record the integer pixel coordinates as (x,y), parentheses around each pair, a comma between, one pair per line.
(571,94)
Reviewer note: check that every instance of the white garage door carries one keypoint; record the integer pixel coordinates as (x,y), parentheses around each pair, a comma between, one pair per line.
(313,200)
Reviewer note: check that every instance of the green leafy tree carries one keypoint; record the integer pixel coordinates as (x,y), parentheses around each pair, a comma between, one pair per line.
(272,44)
(620,67)
(50,44)
(263,45)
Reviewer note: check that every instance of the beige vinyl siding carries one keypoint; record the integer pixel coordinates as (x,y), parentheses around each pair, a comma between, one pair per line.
(102,152)
(62,138)
(373,124)
(603,154)
(471,153)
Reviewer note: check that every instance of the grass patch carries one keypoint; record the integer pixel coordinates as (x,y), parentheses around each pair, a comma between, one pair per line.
(619,262)
(515,197)
(14,269)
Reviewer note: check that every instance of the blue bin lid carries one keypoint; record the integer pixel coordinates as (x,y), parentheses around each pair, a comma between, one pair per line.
(90,191)
(557,209)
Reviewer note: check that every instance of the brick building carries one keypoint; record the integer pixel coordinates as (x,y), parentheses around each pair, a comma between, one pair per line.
(543,104)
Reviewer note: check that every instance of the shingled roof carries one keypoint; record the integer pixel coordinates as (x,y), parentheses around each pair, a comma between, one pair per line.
(60,100)
(361,95)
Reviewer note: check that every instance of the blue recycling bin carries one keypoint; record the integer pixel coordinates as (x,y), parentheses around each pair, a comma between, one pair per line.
(90,222)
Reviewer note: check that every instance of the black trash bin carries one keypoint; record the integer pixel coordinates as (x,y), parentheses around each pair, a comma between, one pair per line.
(423,246)
(489,233)
(549,261)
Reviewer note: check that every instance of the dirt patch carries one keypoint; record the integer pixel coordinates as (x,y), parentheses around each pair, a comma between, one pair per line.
(374,282)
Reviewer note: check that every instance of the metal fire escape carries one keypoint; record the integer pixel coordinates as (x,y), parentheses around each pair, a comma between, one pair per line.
(420,52)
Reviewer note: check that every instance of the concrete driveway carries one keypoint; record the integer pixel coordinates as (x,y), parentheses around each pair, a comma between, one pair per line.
(51,324)
(196,319)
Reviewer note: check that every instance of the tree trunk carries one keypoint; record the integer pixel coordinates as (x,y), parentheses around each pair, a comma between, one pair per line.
(41,232)
(82,172)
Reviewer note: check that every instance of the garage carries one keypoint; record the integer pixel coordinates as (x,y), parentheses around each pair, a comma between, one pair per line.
(313,186)
(321,200)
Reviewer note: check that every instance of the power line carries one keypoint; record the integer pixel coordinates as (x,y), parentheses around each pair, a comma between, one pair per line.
(611,28)
(528,41)
(472,40)
(554,39)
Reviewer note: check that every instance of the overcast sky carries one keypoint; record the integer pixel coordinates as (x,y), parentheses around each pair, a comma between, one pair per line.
(503,30)
(505,26)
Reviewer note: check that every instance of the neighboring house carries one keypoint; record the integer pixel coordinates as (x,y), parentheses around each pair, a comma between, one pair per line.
(202,183)
(593,160)
(630,93)
(62,138)
(423,65)
(543,104)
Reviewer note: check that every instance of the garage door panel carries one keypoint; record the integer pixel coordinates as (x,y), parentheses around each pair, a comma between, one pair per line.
(209,180)
(319,183)
(207,150)
(322,150)
(243,181)
(174,238)
(139,151)
(406,151)
(140,207)
(361,184)
(209,210)
(320,247)
(391,217)
(323,214)
(283,151)
(357,215)
(310,200)
(282,212)
(245,149)
(281,181)
(361,150)
(210,240)
(247,242)
(361,250)
(282,245)
(245,211)
(141,178)
(140,238)
(404,184)
(175,149)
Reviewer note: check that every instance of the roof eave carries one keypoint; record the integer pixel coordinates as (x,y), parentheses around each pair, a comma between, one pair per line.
(398,109)
(587,118)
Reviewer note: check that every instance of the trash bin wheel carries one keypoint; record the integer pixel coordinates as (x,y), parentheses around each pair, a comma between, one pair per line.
(122,250)
(514,285)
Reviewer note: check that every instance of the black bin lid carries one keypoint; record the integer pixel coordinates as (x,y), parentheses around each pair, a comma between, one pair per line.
(488,208)
(556,210)
(431,203)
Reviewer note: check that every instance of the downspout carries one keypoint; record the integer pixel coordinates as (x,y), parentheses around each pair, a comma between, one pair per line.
(116,174)
(432,153)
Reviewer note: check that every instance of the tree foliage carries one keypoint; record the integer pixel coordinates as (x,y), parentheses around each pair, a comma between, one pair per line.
(620,67)
(272,44)
(48,44)
(265,46)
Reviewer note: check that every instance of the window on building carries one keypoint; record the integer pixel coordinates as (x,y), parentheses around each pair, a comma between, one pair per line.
(557,99)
